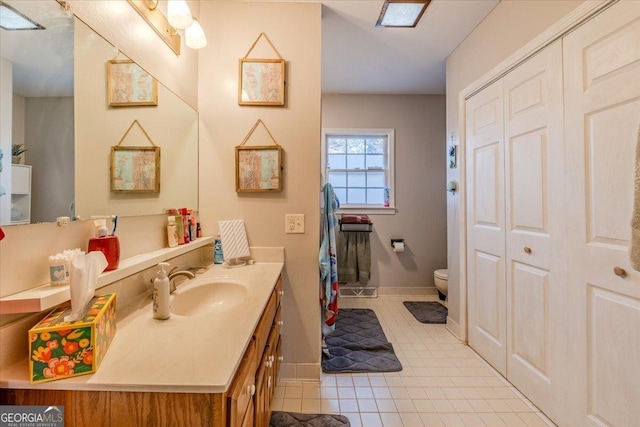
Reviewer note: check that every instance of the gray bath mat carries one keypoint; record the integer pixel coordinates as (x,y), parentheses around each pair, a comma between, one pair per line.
(291,419)
(427,311)
(358,344)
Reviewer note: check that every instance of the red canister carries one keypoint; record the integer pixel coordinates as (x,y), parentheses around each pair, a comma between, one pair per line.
(109,246)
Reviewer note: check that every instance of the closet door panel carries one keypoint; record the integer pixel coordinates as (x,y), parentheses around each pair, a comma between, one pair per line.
(530,319)
(485,225)
(535,223)
(602,97)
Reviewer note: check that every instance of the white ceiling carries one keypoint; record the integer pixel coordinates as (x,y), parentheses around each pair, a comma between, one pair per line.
(43,59)
(357,57)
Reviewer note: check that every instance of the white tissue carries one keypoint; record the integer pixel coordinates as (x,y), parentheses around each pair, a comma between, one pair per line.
(398,246)
(85,269)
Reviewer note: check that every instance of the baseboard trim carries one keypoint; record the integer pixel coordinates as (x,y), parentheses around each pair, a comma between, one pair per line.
(454,328)
(407,290)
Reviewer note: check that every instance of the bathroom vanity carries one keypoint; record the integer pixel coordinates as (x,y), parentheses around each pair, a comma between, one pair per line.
(216,367)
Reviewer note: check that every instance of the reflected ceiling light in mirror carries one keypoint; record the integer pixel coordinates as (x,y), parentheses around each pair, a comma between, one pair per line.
(401,13)
(194,36)
(11,19)
(178,14)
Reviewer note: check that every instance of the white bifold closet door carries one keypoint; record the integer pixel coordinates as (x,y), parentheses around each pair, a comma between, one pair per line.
(487,329)
(602,99)
(515,226)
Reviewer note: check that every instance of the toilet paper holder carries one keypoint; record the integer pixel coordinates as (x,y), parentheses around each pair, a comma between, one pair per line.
(396,241)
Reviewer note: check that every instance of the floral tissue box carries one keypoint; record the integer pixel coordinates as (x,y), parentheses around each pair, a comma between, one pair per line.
(59,349)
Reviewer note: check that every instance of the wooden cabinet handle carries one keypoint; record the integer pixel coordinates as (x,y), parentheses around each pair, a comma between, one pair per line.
(527,250)
(619,271)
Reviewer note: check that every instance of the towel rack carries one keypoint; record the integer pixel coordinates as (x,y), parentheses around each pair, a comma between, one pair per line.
(355,227)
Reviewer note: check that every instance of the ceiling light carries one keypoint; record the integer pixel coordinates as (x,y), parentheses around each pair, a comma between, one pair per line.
(194,36)
(179,14)
(401,13)
(11,19)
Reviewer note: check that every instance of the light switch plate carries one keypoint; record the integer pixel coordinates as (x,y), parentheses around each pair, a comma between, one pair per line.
(294,223)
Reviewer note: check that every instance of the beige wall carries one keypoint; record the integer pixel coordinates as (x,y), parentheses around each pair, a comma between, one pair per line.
(23,252)
(295,30)
(172,125)
(419,124)
(119,23)
(509,26)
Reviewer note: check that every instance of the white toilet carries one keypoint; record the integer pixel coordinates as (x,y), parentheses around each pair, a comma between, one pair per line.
(440,277)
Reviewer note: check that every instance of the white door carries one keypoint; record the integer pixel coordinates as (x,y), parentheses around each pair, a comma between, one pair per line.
(535,222)
(487,331)
(602,99)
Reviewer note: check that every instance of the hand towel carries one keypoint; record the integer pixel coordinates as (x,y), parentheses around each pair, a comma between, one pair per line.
(635,221)
(328,260)
(354,257)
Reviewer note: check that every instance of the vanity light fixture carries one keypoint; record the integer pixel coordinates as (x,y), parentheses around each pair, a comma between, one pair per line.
(11,19)
(179,17)
(194,36)
(148,9)
(401,13)
(179,14)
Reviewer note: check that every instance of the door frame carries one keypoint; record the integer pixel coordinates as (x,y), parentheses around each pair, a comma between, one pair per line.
(572,20)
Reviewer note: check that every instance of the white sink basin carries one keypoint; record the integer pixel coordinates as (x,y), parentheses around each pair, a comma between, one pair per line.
(203,296)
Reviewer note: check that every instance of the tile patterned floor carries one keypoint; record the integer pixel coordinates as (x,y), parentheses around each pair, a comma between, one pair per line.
(443,382)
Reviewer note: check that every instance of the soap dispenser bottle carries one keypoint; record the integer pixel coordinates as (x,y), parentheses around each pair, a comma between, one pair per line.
(161,293)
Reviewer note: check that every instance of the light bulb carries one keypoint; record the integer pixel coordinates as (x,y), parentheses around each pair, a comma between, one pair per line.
(178,14)
(194,36)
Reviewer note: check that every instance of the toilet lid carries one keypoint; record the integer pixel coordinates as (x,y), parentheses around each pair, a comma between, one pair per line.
(442,274)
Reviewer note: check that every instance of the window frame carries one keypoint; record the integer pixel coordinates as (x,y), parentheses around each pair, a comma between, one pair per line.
(390,167)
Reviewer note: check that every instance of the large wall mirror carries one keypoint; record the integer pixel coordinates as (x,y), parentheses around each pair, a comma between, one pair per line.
(61,113)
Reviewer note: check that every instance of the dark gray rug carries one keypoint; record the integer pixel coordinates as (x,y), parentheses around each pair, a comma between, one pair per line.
(358,344)
(291,419)
(427,311)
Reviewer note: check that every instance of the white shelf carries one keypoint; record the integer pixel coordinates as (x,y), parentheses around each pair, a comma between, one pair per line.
(47,296)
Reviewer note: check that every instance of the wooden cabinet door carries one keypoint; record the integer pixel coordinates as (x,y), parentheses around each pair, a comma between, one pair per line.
(261,398)
(243,388)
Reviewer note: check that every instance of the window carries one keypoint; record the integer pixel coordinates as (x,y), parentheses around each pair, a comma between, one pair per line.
(359,166)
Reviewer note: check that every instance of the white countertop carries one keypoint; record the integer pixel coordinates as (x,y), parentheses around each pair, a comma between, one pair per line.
(198,354)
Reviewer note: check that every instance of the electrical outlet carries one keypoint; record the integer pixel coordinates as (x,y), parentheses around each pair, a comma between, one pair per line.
(294,223)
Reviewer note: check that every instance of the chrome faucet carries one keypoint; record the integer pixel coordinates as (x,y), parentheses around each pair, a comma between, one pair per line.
(173,273)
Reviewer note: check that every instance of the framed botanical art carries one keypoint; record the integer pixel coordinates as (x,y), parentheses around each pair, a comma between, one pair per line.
(135,169)
(258,169)
(129,85)
(261,82)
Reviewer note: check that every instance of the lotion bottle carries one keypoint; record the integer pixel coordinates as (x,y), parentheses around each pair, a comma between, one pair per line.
(161,297)
(172,231)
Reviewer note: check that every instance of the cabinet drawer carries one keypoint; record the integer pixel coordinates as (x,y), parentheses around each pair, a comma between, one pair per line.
(263,329)
(243,387)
